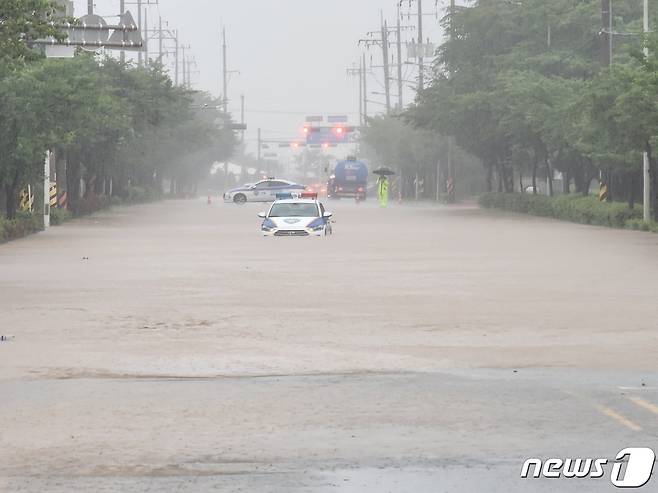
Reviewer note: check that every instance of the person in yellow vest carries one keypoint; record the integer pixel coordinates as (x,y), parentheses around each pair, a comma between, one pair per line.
(382,190)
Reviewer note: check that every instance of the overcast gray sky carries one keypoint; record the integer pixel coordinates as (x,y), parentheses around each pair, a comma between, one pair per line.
(292,54)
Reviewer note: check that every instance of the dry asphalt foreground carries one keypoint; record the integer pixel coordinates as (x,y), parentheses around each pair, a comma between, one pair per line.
(420,349)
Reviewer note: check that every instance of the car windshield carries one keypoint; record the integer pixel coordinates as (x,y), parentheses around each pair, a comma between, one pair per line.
(295,210)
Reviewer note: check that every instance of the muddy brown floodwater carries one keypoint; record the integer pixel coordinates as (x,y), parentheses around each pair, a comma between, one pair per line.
(169,347)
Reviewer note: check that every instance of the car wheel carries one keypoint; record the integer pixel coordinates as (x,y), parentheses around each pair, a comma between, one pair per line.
(240,198)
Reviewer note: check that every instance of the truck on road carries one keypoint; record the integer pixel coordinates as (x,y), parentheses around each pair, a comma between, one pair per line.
(349,180)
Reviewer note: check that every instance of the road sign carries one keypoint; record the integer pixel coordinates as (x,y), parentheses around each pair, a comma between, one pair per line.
(56,51)
(92,32)
(129,40)
(82,33)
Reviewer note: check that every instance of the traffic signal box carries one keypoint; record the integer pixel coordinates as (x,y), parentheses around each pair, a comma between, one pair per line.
(338,134)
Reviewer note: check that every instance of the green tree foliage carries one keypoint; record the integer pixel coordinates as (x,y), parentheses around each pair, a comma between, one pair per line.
(23,21)
(418,155)
(520,86)
(105,121)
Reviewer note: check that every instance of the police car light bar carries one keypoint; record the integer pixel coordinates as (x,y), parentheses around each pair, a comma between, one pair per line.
(309,195)
(283,196)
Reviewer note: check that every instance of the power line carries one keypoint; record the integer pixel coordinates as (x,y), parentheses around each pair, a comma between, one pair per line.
(305,113)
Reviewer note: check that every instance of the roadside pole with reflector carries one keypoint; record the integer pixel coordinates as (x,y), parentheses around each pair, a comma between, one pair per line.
(603,192)
(46,191)
(27,199)
(53,194)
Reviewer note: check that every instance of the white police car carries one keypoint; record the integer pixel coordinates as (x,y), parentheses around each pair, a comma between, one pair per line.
(263,191)
(302,216)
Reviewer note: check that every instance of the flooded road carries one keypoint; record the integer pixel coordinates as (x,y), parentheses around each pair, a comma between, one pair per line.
(169,347)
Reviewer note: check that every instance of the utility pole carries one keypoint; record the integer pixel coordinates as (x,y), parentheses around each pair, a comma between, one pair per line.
(224,73)
(359,72)
(606,33)
(183,62)
(146,38)
(452,26)
(362,75)
(90,7)
(160,42)
(646,165)
(400,88)
(122,8)
(183,59)
(450,186)
(387,78)
(177,57)
(242,118)
(421,48)
(189,73)
(365,91)
(260,144)
(143,28)
(140,59)
(381,38)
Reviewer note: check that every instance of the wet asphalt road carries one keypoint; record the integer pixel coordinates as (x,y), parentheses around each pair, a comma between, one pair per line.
(168,347)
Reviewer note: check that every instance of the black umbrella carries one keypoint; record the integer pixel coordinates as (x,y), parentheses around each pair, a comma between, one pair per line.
(384,172)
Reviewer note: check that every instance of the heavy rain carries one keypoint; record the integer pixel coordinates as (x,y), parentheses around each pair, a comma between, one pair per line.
(285,246)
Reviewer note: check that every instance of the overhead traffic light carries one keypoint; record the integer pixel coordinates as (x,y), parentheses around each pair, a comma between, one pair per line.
(337,134)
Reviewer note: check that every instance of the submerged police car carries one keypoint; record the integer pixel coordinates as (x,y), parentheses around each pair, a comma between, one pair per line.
(296,216)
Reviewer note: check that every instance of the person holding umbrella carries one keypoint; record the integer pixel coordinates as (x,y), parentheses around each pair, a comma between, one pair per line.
(383,185)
